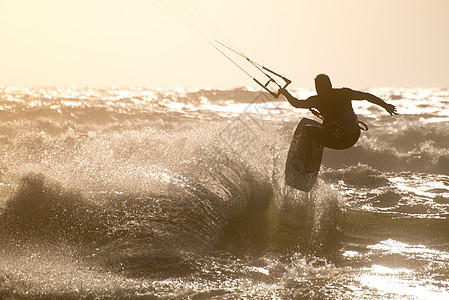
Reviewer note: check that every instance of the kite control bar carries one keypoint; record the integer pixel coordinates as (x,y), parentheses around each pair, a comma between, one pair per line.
(271,79)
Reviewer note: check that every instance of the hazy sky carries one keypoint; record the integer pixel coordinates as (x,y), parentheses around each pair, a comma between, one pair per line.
(116,42)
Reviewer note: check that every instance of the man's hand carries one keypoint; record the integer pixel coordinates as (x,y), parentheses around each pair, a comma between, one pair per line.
(391,109)
(284,92)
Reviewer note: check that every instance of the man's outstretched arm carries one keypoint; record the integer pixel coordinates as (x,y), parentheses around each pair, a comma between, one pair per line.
(293,100)
(358,95)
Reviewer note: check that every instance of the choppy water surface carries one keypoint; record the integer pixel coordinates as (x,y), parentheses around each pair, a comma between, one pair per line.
(180,194)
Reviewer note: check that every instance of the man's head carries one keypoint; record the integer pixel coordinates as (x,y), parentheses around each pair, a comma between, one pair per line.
(323,84)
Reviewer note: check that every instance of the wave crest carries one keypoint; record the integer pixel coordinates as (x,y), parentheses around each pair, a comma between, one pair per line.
(45,209)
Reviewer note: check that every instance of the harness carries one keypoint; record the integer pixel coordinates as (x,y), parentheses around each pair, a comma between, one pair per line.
(337,128)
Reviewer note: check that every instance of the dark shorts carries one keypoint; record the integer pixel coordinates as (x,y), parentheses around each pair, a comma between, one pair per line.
(330,138)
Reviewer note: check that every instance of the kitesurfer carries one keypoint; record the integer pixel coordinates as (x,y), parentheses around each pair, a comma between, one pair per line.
(340,128)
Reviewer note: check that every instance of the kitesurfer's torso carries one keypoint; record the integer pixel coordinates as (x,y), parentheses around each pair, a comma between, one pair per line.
(335,107)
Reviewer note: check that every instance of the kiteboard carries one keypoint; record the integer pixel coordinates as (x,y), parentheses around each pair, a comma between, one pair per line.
(296,174)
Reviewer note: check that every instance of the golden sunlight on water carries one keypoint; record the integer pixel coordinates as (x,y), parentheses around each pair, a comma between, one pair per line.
(400,282)
(156,184)
(410,281)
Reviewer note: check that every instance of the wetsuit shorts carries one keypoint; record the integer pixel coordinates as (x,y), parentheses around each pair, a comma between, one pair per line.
(333,137)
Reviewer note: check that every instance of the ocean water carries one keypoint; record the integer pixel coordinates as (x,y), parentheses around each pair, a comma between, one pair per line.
(179,194)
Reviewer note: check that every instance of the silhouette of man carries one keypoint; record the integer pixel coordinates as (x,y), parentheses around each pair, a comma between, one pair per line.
(340,128)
